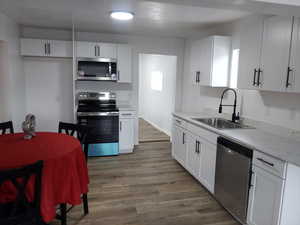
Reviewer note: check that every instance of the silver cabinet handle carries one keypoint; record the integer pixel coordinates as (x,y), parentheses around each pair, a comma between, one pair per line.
(197,76)
(287,84)
(45,48)
(183,138)
(120,125)
(118,74)
(49,49)
(95,49)
(265,162)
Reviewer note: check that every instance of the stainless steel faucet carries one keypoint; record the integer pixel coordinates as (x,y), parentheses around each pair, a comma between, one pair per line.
(235,117)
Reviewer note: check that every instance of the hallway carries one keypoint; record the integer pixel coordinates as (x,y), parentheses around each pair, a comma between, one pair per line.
(148,133)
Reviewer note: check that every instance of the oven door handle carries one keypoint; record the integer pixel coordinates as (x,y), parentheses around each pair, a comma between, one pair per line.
(91,114)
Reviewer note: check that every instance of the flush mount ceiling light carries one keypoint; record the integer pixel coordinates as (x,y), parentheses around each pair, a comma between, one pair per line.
(121,15)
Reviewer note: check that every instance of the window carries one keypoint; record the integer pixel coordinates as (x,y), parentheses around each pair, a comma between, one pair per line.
(234,68)
(156,80)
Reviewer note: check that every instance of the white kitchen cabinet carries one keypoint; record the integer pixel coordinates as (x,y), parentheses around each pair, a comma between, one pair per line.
(61,48)
(195,51)
(46,48)
(179,144)
(108,50)
(276,45)
(250,52)
(86,49)
(265,198)
(33,47)
(293,80)
(210,61)
(265,54)
(124,57)
(126,135)
(193,149)
(208,155)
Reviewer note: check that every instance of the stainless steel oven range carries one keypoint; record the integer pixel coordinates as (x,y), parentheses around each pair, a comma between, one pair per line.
(98,110)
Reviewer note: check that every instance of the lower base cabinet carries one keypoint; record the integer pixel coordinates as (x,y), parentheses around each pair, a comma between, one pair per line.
(179,144)
(126,132)
(196,155)
(265,198)
(208,165)
(193,149)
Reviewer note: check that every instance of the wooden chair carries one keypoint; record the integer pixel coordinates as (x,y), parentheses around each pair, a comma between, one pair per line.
(6,126)
(80,132)
(22,211)
(76,130)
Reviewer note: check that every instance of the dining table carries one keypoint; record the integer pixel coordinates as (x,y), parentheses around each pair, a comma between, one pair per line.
(64,175)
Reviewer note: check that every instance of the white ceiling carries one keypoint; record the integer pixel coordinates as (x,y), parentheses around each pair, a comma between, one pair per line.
(151,18)
(178,18)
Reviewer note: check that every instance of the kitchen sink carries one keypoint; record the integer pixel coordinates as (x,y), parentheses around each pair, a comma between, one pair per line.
(220,123)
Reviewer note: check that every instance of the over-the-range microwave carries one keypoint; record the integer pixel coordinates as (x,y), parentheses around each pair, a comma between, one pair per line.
(97,69)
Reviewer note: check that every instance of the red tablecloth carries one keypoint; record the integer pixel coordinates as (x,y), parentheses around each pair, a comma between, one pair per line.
(65,173)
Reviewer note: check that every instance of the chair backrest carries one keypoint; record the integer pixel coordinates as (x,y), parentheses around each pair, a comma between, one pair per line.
(19,178)
(75,130)
(5,127)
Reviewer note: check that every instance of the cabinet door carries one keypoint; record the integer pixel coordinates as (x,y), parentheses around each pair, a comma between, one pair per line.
(179,144)
(205,61)
(61,48)
(126,136)
(208,155)
(195,52)
(265,198)
(193,154)
(124,56)
(275,52)
(293,80)
(86,49)
(108,50)
(34,47)
(250,52)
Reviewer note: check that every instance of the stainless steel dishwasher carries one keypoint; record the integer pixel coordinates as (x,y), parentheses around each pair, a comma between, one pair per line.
(233,176)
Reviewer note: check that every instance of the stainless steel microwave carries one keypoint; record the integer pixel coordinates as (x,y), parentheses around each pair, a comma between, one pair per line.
(97,69)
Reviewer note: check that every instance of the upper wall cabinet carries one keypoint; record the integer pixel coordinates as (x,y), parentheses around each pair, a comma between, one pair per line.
(250,52)
(293,78)
(277,36)
(124,57)
(46,48)
(210,61)
(269,54)
(95,50)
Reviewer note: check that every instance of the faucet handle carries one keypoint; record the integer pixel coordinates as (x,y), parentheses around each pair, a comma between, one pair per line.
(238,116)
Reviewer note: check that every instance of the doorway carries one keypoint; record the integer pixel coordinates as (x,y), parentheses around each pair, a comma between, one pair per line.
(157,86)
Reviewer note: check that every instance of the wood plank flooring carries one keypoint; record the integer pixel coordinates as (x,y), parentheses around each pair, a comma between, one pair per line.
(147,187)
(148,133)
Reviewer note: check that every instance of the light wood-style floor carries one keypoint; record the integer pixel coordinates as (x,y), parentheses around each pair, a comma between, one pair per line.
(148,133)
(147,187)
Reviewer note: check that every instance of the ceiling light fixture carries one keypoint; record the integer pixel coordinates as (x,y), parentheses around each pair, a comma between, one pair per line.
(121,15)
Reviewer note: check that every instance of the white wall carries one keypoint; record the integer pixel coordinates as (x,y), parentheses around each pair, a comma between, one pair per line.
(13,95)
(156,106)
(281,109)
(49,91)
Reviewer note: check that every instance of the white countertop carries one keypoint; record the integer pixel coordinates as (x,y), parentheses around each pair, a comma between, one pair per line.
(126,108)
(284,148)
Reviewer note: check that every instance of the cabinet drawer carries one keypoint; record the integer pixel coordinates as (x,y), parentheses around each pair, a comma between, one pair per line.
(203,133)
(270,164)
(179,122)
(127,114)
